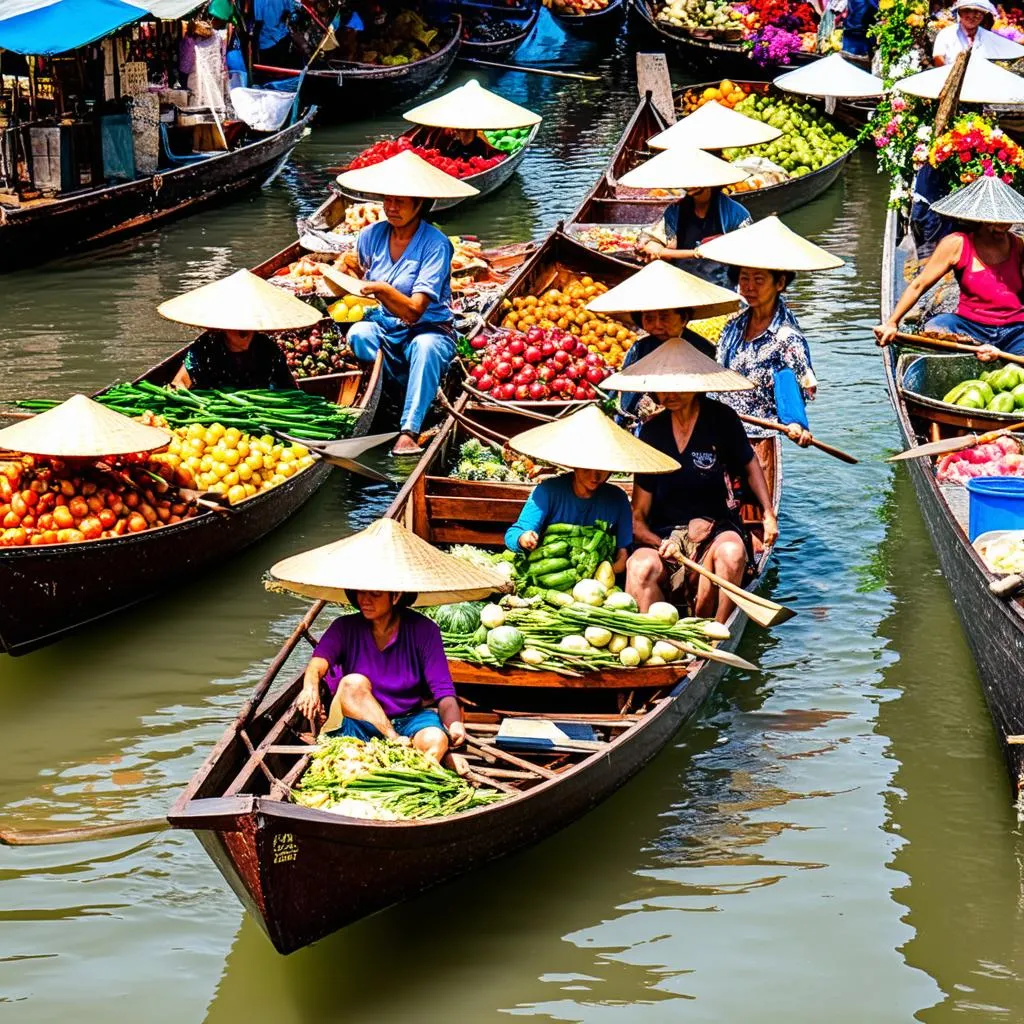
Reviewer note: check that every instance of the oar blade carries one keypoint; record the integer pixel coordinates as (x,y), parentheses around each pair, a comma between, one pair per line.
(723,657)
(353,447)
(924,451)
(763,614)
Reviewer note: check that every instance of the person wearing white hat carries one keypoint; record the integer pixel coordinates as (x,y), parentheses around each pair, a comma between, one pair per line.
(964,32)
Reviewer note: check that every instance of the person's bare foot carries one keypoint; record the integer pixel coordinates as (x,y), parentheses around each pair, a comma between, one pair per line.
(406,445)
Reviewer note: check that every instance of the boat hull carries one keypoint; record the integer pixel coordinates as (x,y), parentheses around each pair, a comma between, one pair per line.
(502,48)
(604,24)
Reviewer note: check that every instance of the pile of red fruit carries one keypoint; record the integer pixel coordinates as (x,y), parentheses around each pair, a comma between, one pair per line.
(540,364)
(456,166)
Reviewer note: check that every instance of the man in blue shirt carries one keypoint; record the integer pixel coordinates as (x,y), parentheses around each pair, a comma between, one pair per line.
(272,24)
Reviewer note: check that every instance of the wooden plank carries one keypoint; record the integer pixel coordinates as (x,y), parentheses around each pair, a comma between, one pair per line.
(504,755)
(608,679)
(450,487)
(504,511)
(652,77)
(451,534)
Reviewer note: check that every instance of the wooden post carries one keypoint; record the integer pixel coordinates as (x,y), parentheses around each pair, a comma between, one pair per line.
(949,98)
(652,77)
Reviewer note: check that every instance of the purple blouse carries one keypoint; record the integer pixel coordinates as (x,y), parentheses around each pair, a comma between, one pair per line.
(407,673)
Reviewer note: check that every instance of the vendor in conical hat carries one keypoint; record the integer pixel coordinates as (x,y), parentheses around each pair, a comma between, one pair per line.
(406,265)
(384,668)
(694,510)
(237,351)
(988,262)
(593,447)
(765,342)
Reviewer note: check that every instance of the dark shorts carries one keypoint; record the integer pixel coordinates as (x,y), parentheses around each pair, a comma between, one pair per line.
(1008,337)
(408,724)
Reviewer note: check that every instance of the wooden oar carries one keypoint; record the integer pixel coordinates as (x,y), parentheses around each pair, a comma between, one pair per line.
(87,833)
(723,657)
(575,75)
(344,453)
(953,444)
(836,453)
(759,609)
(927,341)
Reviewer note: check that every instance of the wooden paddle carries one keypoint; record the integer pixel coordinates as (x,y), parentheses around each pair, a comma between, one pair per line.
(927,341)
(723,657)
(759,609)
(953,444)
(343,454)
(575,75)
(87,833)
(836,453)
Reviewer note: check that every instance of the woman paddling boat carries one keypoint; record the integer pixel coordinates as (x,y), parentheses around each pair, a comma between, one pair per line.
(405,263)
(765,343)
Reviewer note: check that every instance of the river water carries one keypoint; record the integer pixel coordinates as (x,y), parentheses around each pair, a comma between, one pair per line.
(831,839)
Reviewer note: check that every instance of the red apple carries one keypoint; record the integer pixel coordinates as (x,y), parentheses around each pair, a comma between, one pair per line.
(538,391)
(518,362)
(533,354)
(516,346)
(572,373)
(595,374)
(547,374)
(478,342)
(503,370)
(522,393)
(547,348)
(535,335)
(528,373)
(486,382)
(561,358)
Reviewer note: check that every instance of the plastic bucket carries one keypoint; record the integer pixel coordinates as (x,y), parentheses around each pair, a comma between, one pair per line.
(996,503)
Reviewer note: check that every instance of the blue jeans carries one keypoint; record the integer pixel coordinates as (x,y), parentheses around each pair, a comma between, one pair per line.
(408,724)
(1009,338)
(859,16)
(414,357)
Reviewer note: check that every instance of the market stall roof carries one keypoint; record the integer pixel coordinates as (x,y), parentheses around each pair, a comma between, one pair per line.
(987,199)
(81,429)
(241,302)
(660,285)
(588,439)
(471,107)
(713,126)
(46,27)
(675,366)
(683,167)
(831,76)
(384,556)
(984,82)
(770,245)
(406,174)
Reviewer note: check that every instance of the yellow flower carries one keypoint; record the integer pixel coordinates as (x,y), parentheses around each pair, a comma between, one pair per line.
(885,5)
(915,21)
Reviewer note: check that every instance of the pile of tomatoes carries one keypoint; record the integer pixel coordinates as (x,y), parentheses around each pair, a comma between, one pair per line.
(456,166)
(536,366)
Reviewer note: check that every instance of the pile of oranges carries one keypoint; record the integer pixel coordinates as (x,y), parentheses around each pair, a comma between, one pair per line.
(726,92)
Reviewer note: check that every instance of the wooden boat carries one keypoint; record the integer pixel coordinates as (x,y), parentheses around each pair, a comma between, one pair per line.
(524,19)
(43,228)
(304,873)
(603,24)
(51,590)
(994,627)
(345,91)
(727,59)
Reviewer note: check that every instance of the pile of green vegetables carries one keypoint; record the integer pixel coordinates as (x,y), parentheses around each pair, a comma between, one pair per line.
(568,554)
(509,140)
(253,412)
(992,390)
(482,462)
(385,782)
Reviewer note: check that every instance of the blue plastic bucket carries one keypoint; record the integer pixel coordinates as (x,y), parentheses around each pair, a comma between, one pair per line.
(996,503)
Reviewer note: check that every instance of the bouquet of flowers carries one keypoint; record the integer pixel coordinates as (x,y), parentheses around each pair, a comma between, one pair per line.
(900,29)
(772,45)
(974,147)
(901,139)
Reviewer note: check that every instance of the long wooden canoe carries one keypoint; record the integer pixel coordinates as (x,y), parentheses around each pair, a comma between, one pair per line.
(523,19)
(604,24)
(304,873)
(44,228)
(50,590)
(994,628)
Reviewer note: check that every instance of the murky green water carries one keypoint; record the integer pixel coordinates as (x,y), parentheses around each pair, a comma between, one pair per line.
(832,840)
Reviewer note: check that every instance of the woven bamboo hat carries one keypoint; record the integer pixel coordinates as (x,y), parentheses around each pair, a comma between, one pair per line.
(405,175)
(472,107)
(384,556)
(713,126)
(682,167)
(770,245)
(989,200)
(81,429)
(590,440)
(241,302)
(831,76)
(984,82)
(676,366)
(660,285)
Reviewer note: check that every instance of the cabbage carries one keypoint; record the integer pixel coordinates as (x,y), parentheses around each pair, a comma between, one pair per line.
(457,618)
(618,643)
(532,656)
(589,592)
(662,611)
(505,642)
(597,636)
(620,602)
(665,651)
(492,616)
(643,646)
(629,657)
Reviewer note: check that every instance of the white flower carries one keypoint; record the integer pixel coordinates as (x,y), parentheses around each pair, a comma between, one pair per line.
(924,133)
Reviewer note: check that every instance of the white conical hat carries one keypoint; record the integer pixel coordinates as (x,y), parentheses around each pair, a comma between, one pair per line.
(682,167)
(768,244)
(406,175)
(384,556)
(713,126)
(661,285)
(241,302)
(984,82)
(472,107)
(831,76)
(986,199)
(590,440)
(676,366)
(81,429)
(993,46)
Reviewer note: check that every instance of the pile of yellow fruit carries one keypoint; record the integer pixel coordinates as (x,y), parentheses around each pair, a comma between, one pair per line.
(226,461)
(350,309)
(710,328)
(566,309)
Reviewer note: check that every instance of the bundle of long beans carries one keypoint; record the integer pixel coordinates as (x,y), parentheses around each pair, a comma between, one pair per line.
(254,412)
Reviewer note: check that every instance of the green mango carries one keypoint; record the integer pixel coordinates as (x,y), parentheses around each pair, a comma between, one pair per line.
(985,375)
(1003,402)
(955,392)
(1018,396)
(972,398)
(1005,379)
(984,389)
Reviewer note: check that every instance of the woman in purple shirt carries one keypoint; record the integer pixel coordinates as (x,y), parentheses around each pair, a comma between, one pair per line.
(381,666)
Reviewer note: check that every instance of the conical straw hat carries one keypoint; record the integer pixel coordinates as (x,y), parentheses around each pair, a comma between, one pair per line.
(660,285)
(83,429)
(713,126)
(831,76)
(241,302)
(590,440)
(472,107)
(986,199)
(405,175)
(384,556)
(770,245)
(983,82)
(993,46)
(682,167)
(676,366)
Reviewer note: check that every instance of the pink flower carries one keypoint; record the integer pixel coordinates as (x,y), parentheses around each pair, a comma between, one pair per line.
(899,103)
(1008,178)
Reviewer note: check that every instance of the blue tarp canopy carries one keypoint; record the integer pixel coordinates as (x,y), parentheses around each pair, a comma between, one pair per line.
(46,27)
